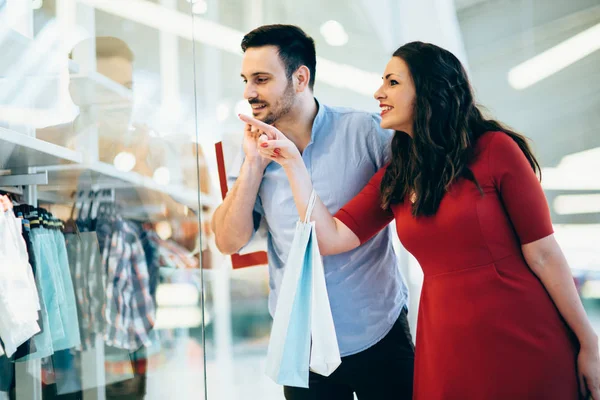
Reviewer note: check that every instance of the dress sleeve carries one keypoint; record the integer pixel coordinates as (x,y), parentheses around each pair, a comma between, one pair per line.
(363,214)
(520,189)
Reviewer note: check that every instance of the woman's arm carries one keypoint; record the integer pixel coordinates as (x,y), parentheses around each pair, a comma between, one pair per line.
(547,261)
(524,200)
(334,237)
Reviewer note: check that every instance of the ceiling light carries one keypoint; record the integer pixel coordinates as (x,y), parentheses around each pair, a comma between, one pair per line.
(334,33)
(577,204)
(162,176)
(200,7)
(124,161)
(572,173)
(163,230)
(555,59)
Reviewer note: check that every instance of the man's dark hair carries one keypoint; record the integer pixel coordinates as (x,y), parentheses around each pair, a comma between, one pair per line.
(295,47)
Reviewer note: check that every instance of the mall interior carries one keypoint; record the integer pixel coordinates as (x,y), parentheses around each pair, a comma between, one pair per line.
(126,110)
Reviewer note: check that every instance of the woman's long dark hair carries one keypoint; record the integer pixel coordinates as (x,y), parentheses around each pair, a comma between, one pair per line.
(446,127)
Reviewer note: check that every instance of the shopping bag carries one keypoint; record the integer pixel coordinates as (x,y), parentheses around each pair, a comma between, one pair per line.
(325,352)
(302,313)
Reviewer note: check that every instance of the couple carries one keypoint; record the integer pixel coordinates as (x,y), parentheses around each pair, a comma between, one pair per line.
(499,315)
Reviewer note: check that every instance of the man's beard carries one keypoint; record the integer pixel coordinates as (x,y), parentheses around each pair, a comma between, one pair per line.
(283,106)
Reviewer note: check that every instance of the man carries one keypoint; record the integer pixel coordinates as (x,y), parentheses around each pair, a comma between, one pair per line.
(342,149)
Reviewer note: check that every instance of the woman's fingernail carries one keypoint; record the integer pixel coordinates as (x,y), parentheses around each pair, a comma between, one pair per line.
(264,145)
(277,151)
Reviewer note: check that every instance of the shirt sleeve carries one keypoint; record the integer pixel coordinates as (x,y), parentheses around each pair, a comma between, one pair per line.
(363,214)
(379,142)
(519,189)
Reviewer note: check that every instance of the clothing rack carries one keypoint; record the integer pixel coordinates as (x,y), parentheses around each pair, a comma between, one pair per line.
(40,178)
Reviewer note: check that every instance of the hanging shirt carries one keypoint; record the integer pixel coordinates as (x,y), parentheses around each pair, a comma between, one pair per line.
(89,280)
(19,300)
(130,310)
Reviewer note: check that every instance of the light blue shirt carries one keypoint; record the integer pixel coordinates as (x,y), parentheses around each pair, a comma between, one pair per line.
(365,286)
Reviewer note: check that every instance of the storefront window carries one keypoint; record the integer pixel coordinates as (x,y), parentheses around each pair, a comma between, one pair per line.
(111,197)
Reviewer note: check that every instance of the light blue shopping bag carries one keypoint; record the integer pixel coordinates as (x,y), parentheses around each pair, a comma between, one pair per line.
(303,314)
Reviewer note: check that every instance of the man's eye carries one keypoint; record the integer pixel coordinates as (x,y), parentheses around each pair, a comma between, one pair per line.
(261,80)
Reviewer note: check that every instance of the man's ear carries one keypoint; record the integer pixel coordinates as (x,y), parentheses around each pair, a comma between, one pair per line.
(302,78)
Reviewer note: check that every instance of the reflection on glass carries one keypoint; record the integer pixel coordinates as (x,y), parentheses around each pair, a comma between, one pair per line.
(100,204)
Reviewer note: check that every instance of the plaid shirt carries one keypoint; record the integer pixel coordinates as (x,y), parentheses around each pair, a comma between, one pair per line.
(130,311)
(173,255)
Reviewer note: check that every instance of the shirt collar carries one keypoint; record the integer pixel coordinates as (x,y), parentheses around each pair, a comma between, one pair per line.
(319,120)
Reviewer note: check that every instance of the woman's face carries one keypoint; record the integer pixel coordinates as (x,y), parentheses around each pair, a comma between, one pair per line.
(396,97)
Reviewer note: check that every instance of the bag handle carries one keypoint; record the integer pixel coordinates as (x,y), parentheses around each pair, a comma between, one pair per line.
(311,205)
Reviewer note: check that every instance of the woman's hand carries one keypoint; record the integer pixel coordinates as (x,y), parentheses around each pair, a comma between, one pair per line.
(588,368)
(272,144)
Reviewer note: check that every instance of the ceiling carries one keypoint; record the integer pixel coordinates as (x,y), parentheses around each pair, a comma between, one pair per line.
(559,113)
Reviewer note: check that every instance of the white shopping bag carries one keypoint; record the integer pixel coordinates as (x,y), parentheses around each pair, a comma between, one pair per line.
(303,314)
(325,352)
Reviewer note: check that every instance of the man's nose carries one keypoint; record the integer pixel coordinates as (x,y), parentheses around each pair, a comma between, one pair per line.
(249,92)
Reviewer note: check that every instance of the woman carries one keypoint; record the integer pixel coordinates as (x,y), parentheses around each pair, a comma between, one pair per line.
(498,307)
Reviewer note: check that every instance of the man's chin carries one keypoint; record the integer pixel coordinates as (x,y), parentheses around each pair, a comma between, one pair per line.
(259,114)
(266,118)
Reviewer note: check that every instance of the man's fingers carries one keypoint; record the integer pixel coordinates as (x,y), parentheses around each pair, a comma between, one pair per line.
(268,129)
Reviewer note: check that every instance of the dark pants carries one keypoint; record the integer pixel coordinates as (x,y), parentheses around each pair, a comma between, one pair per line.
(383,371)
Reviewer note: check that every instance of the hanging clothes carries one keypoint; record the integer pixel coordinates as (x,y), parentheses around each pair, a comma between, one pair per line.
(89,281)
(54,284)
(151,250)
(29,346)
(7,372)
(19,300)
(87,271)
(111,271)
(130,310)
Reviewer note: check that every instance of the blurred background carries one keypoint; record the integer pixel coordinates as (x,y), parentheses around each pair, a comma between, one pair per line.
(110,110)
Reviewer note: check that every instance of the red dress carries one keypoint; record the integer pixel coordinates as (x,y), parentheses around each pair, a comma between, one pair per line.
(487,329)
